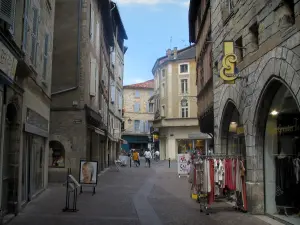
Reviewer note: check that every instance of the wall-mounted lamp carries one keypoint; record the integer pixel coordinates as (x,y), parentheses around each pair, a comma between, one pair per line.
(274,112)
(129,121)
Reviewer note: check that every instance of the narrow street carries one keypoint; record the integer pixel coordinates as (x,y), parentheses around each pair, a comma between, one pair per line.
(154,196)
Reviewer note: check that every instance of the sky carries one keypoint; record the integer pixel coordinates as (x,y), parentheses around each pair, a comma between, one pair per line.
(152,26)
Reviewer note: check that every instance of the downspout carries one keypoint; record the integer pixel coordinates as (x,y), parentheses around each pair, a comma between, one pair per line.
(78,53)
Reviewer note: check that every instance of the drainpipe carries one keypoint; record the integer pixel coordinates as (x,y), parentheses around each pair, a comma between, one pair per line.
(78,54)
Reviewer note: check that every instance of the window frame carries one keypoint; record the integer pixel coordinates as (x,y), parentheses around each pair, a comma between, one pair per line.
(139,124)
(187,108)
(182,64)
(186,86)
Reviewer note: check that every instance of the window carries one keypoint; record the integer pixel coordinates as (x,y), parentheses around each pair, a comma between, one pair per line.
(163,90)
(113,56)
(34,46)
(150,93)
(98,37)
(239,49)
(184,109)
(7,11)
(254,35)
(150,107)
(92,23)
(162,111)
(137,126)
(184,86)
(120,101)
(150,124)
(230,6)
(45,56)
(184,68)
(136,107)
(163,73)
(137,94)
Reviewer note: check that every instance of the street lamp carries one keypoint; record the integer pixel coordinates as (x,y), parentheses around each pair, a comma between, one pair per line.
(129,121)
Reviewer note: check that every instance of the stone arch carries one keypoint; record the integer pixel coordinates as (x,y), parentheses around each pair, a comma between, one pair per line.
(276,65)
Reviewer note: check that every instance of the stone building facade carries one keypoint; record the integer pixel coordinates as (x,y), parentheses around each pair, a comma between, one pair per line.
(26,70)
(249,114)
(175,105)
(81,123)
(138,114)
(200,34)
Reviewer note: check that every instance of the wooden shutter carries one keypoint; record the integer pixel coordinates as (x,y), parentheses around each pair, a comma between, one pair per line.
(113,92)
(34,34)
(92,78)
(120,101)
(141,126)
(7,10)
(25,25)
(45,56)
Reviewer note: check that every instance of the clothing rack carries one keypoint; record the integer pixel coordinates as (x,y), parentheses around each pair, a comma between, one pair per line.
(203,198)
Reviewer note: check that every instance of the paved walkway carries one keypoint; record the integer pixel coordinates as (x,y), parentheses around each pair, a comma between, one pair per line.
(134,196)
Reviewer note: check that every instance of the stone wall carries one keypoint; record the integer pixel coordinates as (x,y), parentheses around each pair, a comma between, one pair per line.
(271,55)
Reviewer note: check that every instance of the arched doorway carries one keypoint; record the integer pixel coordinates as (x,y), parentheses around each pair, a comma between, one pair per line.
(278,132)
(56,154)
(232,135)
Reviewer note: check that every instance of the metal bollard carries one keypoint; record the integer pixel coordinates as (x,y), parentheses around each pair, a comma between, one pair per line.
(108,160)
(130,161)
(169,163)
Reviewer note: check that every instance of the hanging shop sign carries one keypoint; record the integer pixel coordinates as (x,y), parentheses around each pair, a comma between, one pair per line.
(228,70)
(8,63)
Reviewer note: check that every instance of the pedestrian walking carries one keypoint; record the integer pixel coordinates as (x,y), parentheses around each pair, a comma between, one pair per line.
(148,157)
(156,155)
(136,158)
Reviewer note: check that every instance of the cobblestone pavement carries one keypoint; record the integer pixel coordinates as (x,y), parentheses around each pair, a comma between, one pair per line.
(134,196)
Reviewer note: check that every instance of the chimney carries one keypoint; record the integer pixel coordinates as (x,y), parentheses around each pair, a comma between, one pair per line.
(169,53)
(175,52)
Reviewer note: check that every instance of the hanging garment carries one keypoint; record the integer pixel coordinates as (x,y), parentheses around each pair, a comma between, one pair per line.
(296,163)
(192,174)
(233,169)
(221,170)
(206,180)
(224,174)
(211,194)
(228,174)
(244,194)
(216,170)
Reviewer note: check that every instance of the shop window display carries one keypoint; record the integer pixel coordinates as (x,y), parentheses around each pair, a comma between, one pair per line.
(57,154)
(282,158)
(188,145)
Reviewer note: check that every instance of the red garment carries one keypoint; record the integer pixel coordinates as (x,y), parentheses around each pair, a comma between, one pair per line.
(211,194)
(234,163)
(229,175)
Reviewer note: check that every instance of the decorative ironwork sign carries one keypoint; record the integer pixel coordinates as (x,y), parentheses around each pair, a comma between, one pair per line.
(228,69)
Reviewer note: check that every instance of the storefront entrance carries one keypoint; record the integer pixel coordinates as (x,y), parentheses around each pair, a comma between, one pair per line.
(33,166)
(281,141)
(232,136)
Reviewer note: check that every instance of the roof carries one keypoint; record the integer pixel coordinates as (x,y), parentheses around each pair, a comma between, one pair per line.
(105,8)
(116,14)
(182,54)
(194,5)
(149,84)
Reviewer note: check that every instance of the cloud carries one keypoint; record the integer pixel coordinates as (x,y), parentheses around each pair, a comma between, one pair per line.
(152,2)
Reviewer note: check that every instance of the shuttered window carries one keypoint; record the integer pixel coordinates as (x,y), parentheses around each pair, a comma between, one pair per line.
(7,10)
(25,25)
(136,107)
(92,78)
(34,43)
(45,63)
(120,101)
(113,92)
(92,23)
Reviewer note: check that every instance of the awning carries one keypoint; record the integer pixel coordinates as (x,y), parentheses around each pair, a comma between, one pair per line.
(99,131)
(135,139)
(198,136)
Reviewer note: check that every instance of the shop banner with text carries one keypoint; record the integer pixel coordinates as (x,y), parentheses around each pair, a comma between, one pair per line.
(183,167)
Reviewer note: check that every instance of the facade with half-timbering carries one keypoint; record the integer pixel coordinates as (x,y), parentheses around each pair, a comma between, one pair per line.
(257,117)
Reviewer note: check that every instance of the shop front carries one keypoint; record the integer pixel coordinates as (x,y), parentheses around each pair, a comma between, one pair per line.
(258,119)
(281,143)
(34,165)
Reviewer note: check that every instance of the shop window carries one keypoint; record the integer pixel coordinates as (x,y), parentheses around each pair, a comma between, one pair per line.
(285,13)
(239,49)
(57,154)
(254,36)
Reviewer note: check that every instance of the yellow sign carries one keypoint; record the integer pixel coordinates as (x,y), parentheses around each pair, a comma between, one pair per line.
(227,72)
